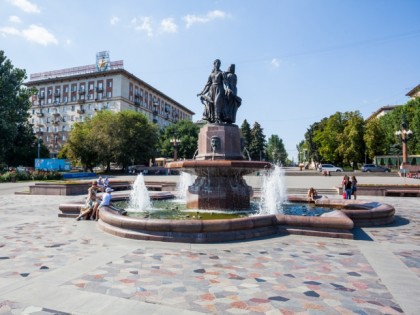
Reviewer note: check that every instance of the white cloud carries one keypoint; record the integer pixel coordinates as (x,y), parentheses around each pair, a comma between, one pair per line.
(4,31)
(144,24)
(39,35)
(114,20)
(191,19)
(14,19)
(34,33)
(168,26)
(25,6)
(275,63)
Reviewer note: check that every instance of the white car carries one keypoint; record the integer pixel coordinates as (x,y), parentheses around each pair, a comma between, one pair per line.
(329,168)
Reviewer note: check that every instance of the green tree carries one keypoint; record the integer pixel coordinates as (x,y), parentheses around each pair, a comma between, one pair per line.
(352,146)
(373,137)
(14,106)
(276,153)
(135,139)
(25,147)
(246,134)
(257,144)
(310,145)
(186,133)
(80,147)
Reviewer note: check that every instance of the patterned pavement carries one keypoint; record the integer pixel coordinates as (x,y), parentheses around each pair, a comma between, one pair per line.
(47,263)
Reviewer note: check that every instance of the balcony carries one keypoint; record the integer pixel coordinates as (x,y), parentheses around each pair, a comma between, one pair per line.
(81,100)
(82,91)
(56,114)
(80,111)
(99,89)
(55,122)
(57,94)
(41,96)
(39,114)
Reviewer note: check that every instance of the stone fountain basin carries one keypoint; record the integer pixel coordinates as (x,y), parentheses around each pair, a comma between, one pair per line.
(337,224)
(219,167)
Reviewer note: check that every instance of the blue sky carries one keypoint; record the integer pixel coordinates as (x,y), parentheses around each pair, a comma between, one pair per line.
(297,61)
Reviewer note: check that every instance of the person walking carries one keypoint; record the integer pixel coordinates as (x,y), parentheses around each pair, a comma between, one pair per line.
(348,188)
(354,186)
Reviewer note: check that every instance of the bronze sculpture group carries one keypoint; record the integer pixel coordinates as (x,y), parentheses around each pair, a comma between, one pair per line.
(219,95)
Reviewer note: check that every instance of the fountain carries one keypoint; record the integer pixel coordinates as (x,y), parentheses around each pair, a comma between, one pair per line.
(219,164)
(219,168)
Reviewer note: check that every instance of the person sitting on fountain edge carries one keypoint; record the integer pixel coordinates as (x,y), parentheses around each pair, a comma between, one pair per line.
(312,193)
(92,204)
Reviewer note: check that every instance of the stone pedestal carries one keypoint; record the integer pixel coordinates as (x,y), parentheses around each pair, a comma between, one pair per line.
(226,140)
(218,193)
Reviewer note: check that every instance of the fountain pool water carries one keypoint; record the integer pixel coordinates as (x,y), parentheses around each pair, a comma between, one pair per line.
(272,201)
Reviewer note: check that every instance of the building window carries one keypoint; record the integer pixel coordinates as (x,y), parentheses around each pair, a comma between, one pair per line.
(99,96)
(109,83)
(73,108)
(49,101)
(65,99)
(109,94)
(73,98)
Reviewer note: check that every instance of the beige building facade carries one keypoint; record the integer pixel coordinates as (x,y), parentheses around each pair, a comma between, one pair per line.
(67,96)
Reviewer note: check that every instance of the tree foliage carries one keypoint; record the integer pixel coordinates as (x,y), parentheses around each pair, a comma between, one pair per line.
(124,138)
(186,133)
(276,152)
(257,144)
(17,141)
(246,134)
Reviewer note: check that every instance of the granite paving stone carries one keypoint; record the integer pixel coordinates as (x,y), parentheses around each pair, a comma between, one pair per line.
(40,252)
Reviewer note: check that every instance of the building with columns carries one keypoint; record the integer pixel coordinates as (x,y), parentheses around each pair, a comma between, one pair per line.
(67,96)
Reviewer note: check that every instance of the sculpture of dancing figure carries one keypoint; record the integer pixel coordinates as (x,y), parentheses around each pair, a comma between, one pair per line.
(219,95)
(213,95)
(232,100)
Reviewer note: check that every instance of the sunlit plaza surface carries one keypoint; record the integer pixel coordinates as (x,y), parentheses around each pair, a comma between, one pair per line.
(52,265)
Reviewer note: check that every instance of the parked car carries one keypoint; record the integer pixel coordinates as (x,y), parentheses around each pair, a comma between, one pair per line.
(329,168)
(374,168)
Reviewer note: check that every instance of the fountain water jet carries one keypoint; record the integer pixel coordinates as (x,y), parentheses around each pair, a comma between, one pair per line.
(273,192)
(139,196)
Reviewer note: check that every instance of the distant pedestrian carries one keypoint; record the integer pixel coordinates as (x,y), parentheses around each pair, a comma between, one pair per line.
(348,188)
(354,186)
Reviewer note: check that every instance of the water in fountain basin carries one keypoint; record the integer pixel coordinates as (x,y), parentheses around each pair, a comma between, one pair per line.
(185,180)
(273,192)
(139,196)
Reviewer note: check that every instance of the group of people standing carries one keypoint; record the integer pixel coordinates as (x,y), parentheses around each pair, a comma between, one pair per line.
(349,187)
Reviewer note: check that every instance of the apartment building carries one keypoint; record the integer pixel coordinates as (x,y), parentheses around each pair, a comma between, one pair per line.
(67,96)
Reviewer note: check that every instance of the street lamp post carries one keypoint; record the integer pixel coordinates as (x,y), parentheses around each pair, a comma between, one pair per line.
(175,142)
(405,134)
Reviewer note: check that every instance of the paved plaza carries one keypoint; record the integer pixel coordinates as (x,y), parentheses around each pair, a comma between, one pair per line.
(52,265)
